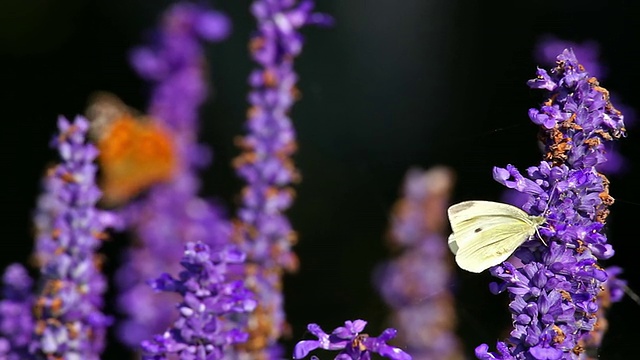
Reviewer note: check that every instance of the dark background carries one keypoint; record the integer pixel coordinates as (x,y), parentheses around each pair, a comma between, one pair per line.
(394,84)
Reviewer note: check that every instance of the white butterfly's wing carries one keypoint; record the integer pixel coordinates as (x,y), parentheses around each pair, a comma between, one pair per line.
(466,216)
(468,210)
(492,245)
(453,245)
(486,233)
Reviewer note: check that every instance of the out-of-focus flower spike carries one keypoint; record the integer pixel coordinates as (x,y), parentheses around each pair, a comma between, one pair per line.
(68,319)
(416,283)
(16,319)
(172,213)
(614,290)
(262,230)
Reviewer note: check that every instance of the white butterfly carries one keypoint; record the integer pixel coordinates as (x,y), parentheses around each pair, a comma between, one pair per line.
(486,233)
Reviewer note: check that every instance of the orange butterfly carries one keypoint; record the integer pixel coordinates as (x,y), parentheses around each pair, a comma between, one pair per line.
(135,151)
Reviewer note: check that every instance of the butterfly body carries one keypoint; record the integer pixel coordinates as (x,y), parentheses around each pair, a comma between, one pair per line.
(486,233)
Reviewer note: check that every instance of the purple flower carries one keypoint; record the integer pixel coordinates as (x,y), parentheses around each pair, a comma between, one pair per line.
(172,213)
(352,344)
(69,322)
(416,283)
(263,231)
(554,291)
(589,53)
(16,319)
(207,297)
(174,62)
(614,289)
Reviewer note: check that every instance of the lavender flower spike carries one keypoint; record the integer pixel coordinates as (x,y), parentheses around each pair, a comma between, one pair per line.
(415,284)
(554,292)
(69,321)
(172,213)
(199,333)
(352,344)
(16,319)
(263,231)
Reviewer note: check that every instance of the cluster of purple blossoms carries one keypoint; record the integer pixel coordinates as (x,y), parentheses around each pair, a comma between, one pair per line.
(199,332)
(554,293)
(353,345)
(16,320)
(589,54)
(416,283)
(68,320)
(262,230)
(171,214)
(613,292)
(175,64)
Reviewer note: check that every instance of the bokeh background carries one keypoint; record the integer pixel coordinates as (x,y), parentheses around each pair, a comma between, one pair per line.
(394,84)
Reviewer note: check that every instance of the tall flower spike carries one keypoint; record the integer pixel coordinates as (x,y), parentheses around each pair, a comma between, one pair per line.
(554,293)
(416,283)
(352,343)
(172,213)
(16,319)
(69,321)
(262,230)
(206,298)
(589,53)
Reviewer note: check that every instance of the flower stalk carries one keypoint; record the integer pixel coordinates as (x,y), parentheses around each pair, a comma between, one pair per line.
(553,295)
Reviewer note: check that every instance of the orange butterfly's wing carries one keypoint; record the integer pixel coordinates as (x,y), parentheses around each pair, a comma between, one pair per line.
(135,152)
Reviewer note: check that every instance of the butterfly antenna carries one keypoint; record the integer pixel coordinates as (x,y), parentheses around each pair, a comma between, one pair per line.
(540,237)
(553,190)
(544,213)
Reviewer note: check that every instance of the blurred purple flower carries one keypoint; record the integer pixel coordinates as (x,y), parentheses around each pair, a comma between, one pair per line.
(172,213)
(353,345)
(16,318)
(553,293)
(67,311)
(614,290)
(207,297)
(174,62)
(263,231)
(416,283)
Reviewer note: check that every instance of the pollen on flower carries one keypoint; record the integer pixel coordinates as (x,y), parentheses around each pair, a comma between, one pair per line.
(560,336)
(358,342)
(269,78)
(578,349)
(256,44)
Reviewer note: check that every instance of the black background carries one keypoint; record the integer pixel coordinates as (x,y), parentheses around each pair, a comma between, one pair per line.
(394,84)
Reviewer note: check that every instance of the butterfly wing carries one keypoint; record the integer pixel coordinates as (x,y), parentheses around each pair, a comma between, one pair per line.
(493,244)
(466,216)
(486,233)
(136,151)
